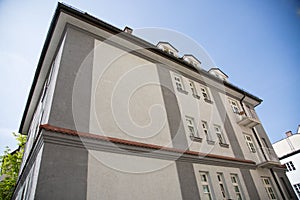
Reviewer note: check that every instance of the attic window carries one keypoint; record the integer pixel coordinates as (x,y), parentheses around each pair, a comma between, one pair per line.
(192,60)
(168,48)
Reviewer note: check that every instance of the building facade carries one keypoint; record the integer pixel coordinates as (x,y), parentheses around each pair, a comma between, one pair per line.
(111,116)
(288,152)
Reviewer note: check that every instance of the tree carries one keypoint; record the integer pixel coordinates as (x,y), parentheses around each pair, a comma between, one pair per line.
(10,166)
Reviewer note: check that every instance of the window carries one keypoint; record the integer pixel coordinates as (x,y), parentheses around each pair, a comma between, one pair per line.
(268,187)
(192,129)
(236,186)
(206,132)
(250,143)
(222,185)
(297,189)
(220,136)
(194,91)
(290,166)
(205,95)
(205,185)
(234,106)
(179,84)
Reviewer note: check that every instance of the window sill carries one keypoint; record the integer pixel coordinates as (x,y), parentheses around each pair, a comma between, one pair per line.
(224,145)
(196,96)
(208,101)
(196,139)
(182,91)
(211,142)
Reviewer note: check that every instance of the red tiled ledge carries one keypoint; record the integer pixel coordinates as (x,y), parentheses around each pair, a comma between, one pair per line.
(49,127)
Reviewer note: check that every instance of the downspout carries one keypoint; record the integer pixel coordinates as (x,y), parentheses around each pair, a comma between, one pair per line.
(253,130)
(241,102)
(277,184)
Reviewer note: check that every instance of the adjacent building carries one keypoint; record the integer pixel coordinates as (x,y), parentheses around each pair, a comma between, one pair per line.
(111,116)
(288,152)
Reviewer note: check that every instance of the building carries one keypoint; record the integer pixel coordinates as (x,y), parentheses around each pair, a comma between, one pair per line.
(288,152)
(111,116)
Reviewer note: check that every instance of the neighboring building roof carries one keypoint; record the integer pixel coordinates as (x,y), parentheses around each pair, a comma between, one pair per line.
(103,25)
(288,146)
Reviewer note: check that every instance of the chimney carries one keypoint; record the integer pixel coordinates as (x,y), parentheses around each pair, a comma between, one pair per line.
(128,30)
(289,133)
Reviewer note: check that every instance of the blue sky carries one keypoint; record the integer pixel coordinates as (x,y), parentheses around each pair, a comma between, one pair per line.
(256,43)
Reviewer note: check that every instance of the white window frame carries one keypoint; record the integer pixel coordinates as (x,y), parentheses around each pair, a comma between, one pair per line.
(192,129)
(219,134)
(268,187)
(193,89)
(250,143)
(235,107)
(178,82)
(297,189)
(236,186)
(206,132)
(206,187)
(290,166)
(223,188)
(205,94)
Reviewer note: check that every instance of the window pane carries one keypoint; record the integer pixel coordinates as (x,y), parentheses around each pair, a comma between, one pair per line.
(203,178)
(206,188)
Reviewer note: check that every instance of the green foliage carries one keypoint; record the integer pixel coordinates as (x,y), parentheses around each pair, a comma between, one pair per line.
(10,166)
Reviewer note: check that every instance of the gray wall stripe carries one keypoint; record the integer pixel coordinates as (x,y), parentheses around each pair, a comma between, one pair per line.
(63,173)
(187,179)
(251,188)
(77,47)
(234,144)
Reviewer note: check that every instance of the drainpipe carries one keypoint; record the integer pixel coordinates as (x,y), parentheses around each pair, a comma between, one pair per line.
(241,102)
(253,130)
(277,184)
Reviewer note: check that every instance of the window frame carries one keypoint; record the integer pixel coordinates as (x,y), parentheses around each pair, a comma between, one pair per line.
(206,184)
(222,184)
(220,136)
(250,143)
(235,108)
(205,94)
(236,184)
(290,166)
(297,189)
(193,89)
(206,131)
(269,188)
(179,83)
(195,134)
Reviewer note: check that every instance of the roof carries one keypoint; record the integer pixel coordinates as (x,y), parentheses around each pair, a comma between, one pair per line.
(105,26)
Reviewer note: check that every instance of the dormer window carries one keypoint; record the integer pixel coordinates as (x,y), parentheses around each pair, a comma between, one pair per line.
(191,60)
(218,73)
(168,48)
